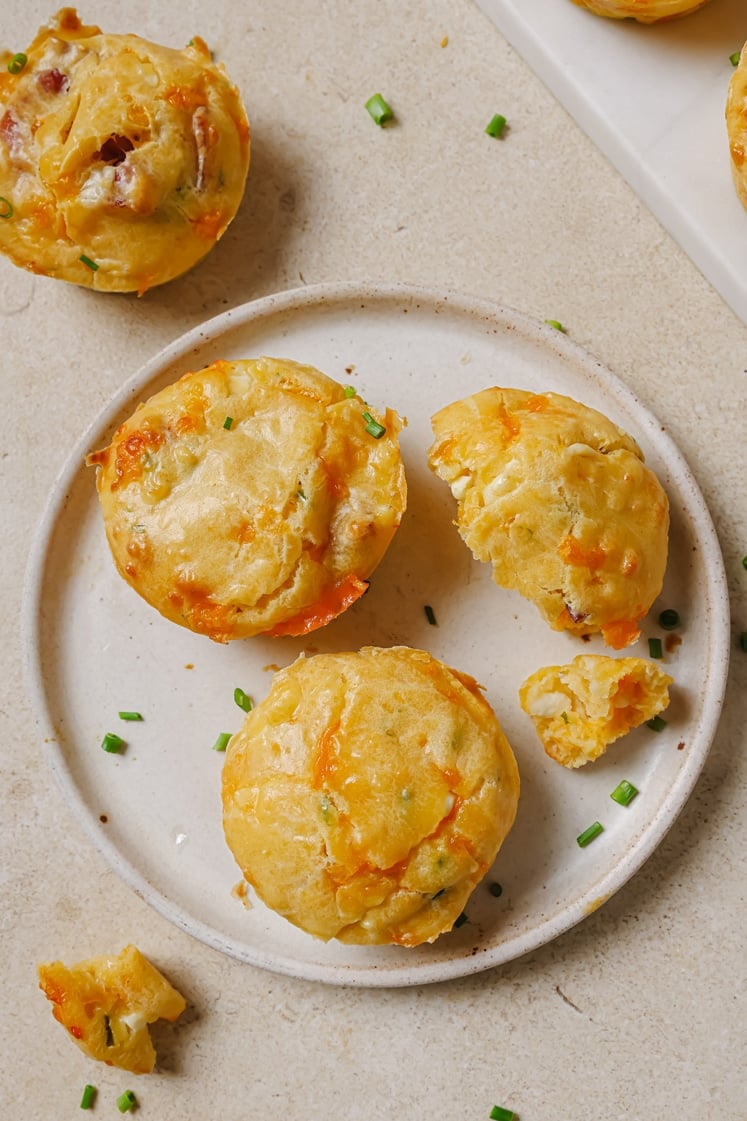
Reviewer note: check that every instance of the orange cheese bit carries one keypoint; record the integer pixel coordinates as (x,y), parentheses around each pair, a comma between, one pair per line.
(333,601)
(621,633)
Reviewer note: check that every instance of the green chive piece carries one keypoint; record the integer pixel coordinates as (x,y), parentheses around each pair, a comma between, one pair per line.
(88,263)
(126,1101)
(669,620)
(373,427)
(89,1097)
(624,793)
(379,110)
(496,889)
(496,125)
(350,391)
(112,743)
(556,324)
(430,615)
(744,559)
(565,718)
(743,641)
(656,724)
(7,208)
(222,741)
(734,58)
(243,700)
(655,648)
(460,921)
(130,715)
(228,422)
(589,834)
(499,1113)
(17,63)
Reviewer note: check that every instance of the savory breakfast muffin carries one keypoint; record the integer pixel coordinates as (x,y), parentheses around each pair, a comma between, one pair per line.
(368,793)
(557,498)
(736,126)
(121,162)
(581,708)
(645,11)
(106,1004)
(253,496)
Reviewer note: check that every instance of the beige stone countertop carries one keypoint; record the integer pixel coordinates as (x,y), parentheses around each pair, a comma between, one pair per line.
(637,1012)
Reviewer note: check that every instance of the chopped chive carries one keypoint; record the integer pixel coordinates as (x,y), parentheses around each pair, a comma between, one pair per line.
(556,324)
(126,1101)
(656,724)
(88,262)
(460,920)
(565,718)
(669,620)
(495,889)
(222,741)
(243,700)
(350,391)
(373,427)
(655,648)
(496,125)
(734,58)
(624,793)
(112,743)
(499,1113)
(430,615)
(17,63)
(744,559)
(379,110)
(130,716)
(228,422)
(7,205)
(743,641)
(89,1096)
(589,834)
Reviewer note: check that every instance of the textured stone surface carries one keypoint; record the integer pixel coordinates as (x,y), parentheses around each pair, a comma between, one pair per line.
(640,1010)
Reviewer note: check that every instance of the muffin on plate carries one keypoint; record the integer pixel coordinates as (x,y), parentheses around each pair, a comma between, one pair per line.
(121,162)
(736,126)
(579,709)
(368,793)
(645,11)
(106,1003)
(558,499)
(254,496)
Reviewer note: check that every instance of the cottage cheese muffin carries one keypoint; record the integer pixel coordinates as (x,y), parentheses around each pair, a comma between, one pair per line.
(251,497)
(736,126)
(557,498)
(121,162)
(581,708)
(645,11)
(367,795)
(106,1003)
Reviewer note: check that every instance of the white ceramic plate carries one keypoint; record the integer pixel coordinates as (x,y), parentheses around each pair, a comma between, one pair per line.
(93,647)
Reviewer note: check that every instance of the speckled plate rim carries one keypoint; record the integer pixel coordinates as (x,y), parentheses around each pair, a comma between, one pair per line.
(716,656)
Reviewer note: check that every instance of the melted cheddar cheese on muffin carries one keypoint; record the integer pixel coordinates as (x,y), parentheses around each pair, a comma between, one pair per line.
(368,793)
(579,709)
(645,11)
(251,497)
(558,499)
(121,162)
(106,1003)
(736,126)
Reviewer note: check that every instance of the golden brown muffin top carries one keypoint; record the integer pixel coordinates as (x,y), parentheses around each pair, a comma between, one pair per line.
(121,161)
